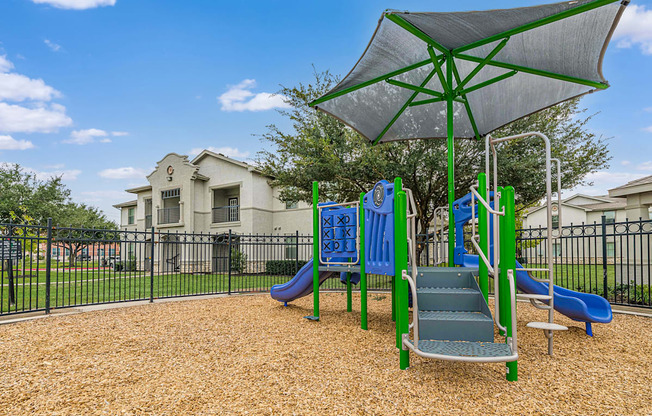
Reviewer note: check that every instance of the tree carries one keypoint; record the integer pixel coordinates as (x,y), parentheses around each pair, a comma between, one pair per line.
(324,149)
(26,198)
(95,227)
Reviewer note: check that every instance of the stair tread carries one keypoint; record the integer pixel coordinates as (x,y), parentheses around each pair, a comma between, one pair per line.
(465,348)
(453,316)
(448,290)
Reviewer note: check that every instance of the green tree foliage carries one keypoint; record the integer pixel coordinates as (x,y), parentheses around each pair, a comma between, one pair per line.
(25,198)
(322,148)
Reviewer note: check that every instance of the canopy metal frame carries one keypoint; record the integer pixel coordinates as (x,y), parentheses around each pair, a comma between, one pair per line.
(451,77)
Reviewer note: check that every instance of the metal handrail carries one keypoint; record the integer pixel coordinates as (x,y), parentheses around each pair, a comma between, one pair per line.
(411,215)
(559,226)
(439,247)
(490,143)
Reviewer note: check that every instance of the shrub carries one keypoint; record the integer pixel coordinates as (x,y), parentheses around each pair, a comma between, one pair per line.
(238,260)
(283,267)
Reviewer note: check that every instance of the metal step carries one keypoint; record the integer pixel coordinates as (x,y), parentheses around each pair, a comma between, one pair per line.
(455,325)
(546,326)
(445,276)
(464,349)
(449,299)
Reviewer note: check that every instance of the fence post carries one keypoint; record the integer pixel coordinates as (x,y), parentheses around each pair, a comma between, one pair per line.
(48,265)
(151,268)
(229,261)
(604,257)
(296,252)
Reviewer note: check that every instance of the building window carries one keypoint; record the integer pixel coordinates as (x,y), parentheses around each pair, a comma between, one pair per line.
(56,251)
(131,216)
(555,221)
(291,248)
(101,252)
(649,211)
(291,204)
(610,216)
(171,193)
(111,252)
(611,249)
(85,251)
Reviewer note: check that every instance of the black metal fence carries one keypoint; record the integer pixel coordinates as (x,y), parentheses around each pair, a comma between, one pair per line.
(610,259)
(45,267)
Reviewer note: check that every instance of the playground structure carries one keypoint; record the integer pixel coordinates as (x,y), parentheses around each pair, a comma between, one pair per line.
(451,316)
(415,78)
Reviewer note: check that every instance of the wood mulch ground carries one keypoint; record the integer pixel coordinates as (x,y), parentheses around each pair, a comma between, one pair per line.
(250,355)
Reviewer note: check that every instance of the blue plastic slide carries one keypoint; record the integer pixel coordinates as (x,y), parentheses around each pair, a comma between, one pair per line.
(582,307)
(301,284)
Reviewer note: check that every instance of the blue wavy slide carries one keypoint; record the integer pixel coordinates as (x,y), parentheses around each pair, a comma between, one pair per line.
(301,284)
(581,307)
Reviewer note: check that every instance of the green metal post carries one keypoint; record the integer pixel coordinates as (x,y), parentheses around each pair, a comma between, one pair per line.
(315,249)
(507,262)
(400,259)
(482,231)
(363,273)
(393,299)
(451,160)
(349,300)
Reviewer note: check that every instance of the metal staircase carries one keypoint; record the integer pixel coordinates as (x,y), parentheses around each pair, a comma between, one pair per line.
(454,321)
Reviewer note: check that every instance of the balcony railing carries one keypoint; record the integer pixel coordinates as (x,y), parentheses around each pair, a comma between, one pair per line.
(169,215)
(148,221)
(226,214)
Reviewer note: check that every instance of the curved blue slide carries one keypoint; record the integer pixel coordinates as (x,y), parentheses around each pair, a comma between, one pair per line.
(582,307)
(301,284)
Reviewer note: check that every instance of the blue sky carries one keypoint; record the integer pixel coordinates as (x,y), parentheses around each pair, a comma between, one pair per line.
(100,90)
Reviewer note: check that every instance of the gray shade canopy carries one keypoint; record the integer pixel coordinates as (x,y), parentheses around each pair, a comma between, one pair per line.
(505,64)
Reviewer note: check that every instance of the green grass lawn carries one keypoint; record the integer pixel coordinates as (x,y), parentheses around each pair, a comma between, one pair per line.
(70,287)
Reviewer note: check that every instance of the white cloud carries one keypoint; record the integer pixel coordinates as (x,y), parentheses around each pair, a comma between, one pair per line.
(648,109)
(635,28)
(40,118)
(226,151)
(53,46)
(648,129)
(9,143)
(17,87)
(240,98)
(5,65)
(122,173)
(625,162)
(603,181)
(645,166)
(85,136)
(65,174)
(119,133)
(76,4)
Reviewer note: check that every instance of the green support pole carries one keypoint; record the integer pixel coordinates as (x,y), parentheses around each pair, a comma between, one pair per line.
(400,260)
(451,161)
(315,249)
(507,262)
(349,300)
(363,273)
(482,231)
(393,299)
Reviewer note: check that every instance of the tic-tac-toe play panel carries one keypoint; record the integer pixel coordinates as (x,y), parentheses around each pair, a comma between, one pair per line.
(339,234)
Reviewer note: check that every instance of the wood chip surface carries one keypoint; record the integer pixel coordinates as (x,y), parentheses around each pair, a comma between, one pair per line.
(250,355)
